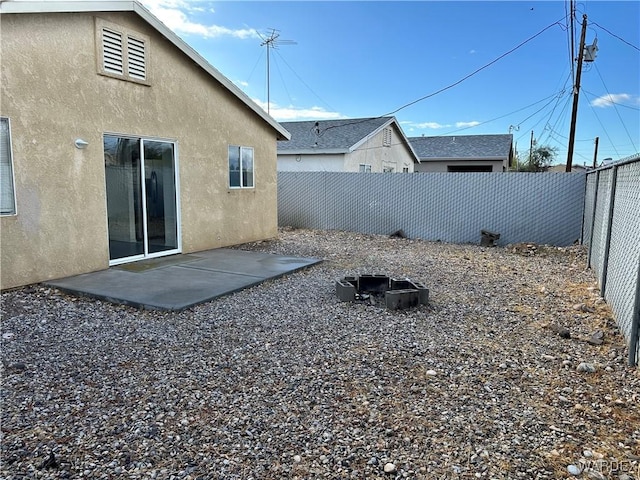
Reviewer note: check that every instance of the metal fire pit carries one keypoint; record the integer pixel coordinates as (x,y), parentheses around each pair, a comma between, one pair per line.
(397,293)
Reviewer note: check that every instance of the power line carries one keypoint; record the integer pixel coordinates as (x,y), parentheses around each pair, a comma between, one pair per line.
(282,80)
(542,108)
(493,119)
(616,36)
(615,108)
(572,36)
(475,71)
(459,81)
(304,83)
(613,145)
(611,101)
(558,96)
(556,106)
(562,115)
(255,66)
(502,116)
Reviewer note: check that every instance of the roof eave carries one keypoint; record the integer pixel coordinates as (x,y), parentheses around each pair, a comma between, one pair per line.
(360,142)
(71,6)
(392,120)
(463,159)
(314,151)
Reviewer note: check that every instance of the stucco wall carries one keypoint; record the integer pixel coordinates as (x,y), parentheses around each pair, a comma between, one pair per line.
(52,94)
(441,166)
(311,163)
(372,152)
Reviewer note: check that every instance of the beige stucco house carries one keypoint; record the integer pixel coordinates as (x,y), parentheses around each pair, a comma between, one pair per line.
(119,142)
(348,145)
(562,168)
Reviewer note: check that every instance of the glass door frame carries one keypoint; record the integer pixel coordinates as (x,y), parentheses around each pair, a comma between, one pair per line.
(176,177)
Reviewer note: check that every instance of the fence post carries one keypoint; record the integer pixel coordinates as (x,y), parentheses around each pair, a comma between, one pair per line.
(634,338)
(584,208)
(593,218)
(607,245)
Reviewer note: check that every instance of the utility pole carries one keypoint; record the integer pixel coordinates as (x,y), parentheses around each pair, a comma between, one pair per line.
(572,15)
(576,93)
(595,154)
(531,149)
(515,147)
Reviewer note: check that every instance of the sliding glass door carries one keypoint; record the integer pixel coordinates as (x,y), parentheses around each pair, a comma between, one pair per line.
(142,198)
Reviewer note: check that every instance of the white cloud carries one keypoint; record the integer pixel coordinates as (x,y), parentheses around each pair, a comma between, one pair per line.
(466,124)
(291,113)
(431,125)
(437,126)
(176,14)
(620,98)
(471,52)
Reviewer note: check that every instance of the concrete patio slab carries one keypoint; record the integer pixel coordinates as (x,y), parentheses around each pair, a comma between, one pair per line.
(178,282)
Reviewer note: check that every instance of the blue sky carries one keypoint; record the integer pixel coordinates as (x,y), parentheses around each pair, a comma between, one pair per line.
(366,59)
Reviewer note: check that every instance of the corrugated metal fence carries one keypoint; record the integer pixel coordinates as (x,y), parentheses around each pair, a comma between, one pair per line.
(611,231)
(545,208)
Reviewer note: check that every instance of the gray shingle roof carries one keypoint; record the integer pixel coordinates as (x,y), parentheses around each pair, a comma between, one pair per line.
(463,146)
(334,135)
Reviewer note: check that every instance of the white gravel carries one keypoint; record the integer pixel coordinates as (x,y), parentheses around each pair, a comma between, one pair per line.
(285,381)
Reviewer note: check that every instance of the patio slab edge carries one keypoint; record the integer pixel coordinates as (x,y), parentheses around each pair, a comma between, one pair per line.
(181,285)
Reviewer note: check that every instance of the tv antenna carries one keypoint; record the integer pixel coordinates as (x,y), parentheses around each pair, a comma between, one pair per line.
(272,41)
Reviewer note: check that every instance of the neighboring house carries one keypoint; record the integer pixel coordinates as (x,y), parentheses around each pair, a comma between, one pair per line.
(351,145)
(119,142)
(563,168)
(464,153)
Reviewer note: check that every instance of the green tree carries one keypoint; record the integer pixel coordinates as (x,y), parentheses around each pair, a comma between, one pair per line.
(537,160)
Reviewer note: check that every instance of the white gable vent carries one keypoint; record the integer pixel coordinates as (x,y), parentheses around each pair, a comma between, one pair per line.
(112,54)
(386,137)
(124,53)
(136,58)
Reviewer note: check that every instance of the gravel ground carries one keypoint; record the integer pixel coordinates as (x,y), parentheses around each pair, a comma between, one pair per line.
(285,381)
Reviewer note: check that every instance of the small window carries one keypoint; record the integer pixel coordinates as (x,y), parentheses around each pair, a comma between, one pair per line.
(405,169)
(240,167)
(386,137)
(364,168)
(122,53)
(7,193)
(388,169)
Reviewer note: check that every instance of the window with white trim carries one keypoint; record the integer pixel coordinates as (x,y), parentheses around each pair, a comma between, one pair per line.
(7,192)
(240,167)
(122,53)
(365,168)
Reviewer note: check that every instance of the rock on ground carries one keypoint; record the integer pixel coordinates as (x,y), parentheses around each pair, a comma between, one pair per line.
(285,381)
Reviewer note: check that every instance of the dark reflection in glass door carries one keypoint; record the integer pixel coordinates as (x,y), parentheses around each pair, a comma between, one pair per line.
(141,197)
(124,197)
(159,171)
